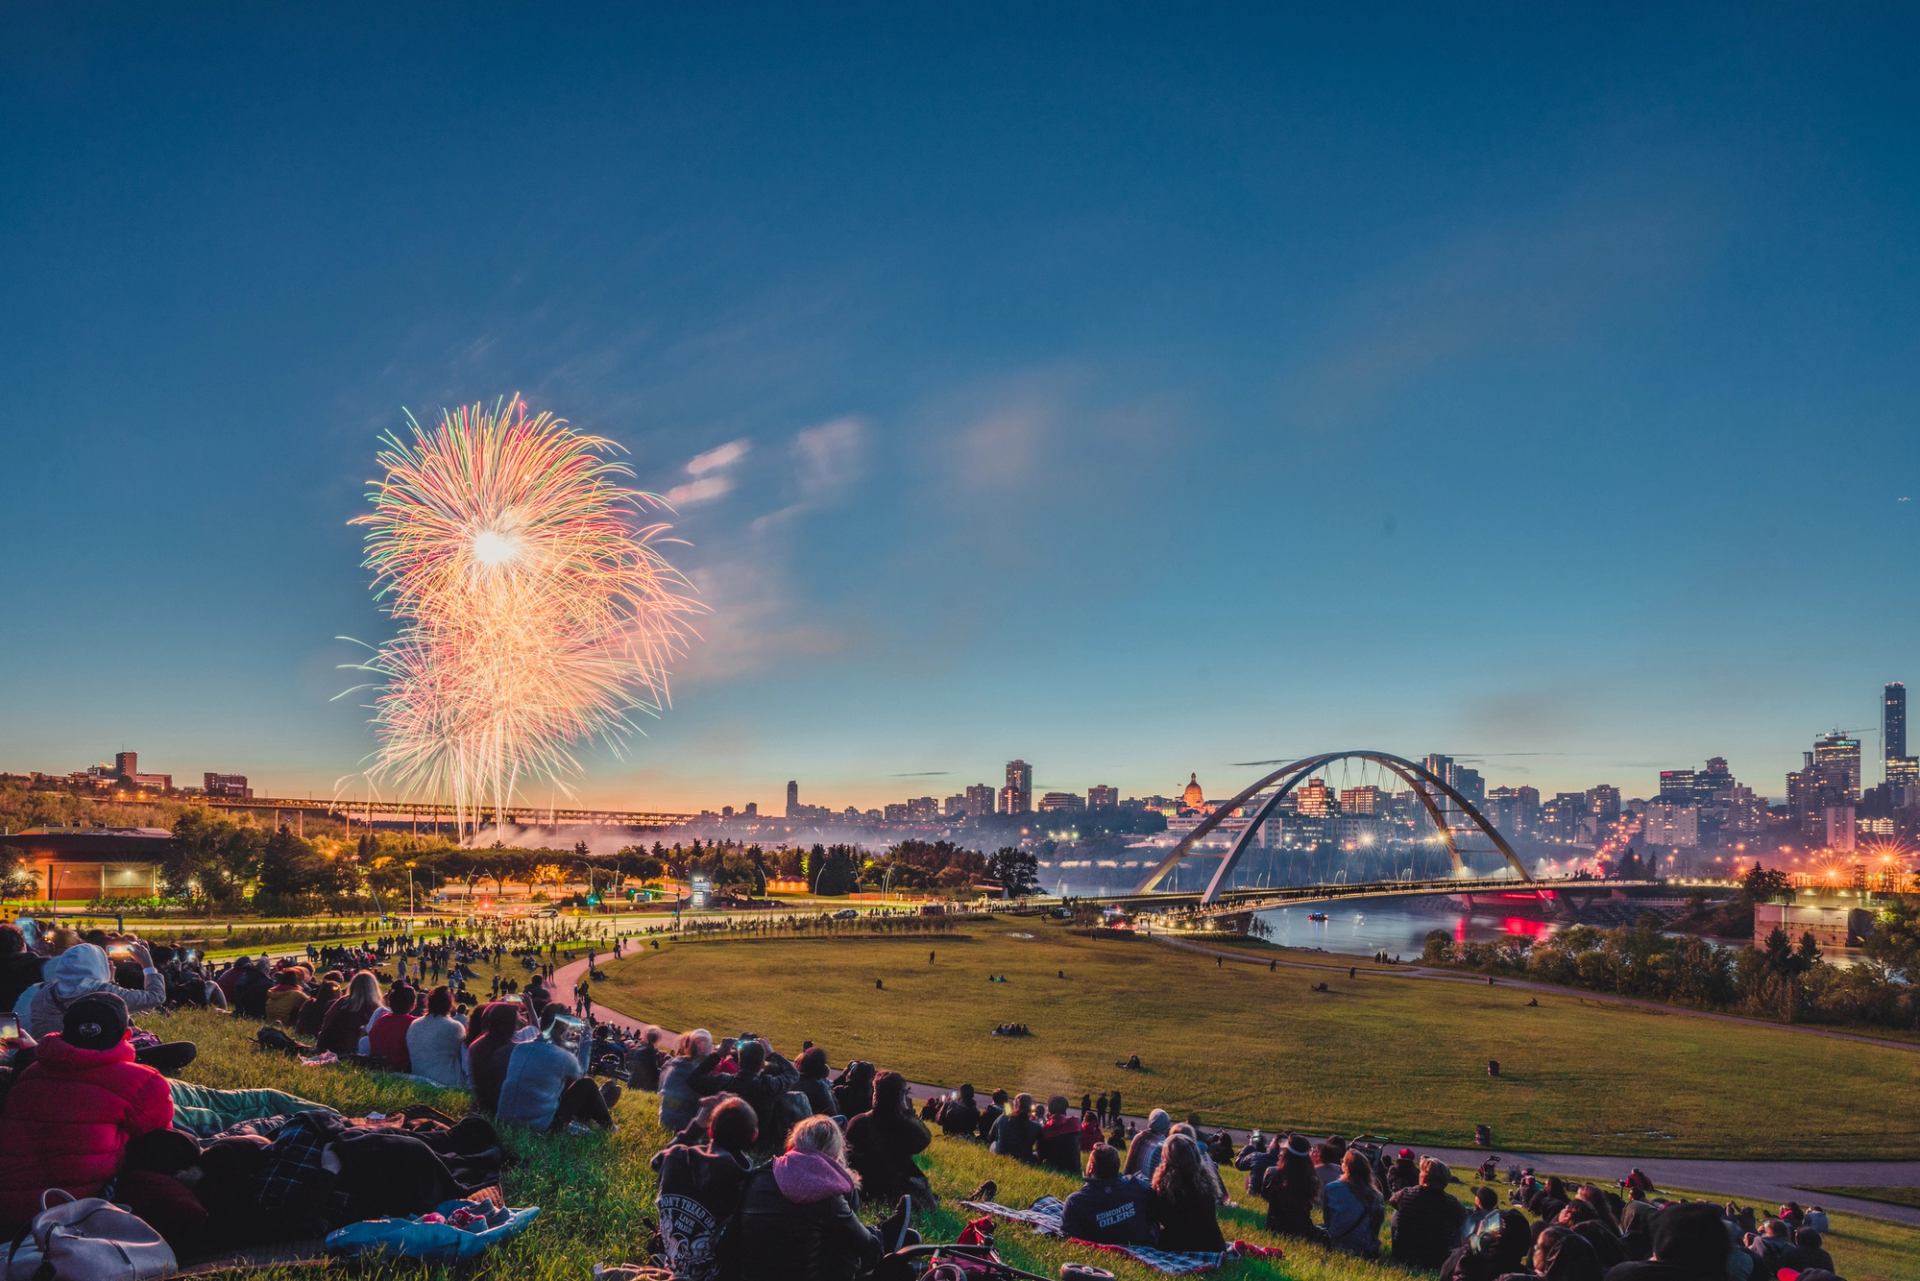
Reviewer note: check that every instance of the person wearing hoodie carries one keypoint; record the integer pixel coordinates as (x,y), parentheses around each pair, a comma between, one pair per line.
(881,1144)
(1492,1253)
(1059,1143)
(1427,1221)
(853,1091)
(436,1044)
(762,1078)
(71,1114)
(1110,1209)
(82,970)
(1145,1150)
(797,1220)
(1689,1243)
(286,997)
(19,967)
(701,1189)
(679,1100)
(1015,1133)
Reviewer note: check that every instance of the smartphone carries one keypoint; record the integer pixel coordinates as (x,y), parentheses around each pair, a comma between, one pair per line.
(9,1027)
(566,1030)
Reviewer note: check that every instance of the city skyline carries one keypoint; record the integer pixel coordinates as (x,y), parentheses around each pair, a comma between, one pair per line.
(1127,398)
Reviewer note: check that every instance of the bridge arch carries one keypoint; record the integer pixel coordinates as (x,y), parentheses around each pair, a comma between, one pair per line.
(1428,787)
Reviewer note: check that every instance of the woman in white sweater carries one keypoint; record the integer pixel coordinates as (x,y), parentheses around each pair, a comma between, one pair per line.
(437,1044)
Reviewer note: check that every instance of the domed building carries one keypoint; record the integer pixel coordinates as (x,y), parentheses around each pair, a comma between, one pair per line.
(1193,798)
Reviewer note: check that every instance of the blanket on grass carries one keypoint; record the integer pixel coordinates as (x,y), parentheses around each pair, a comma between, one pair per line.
(1044,1216)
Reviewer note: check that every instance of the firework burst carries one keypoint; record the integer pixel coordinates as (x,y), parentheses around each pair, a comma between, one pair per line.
(536,611)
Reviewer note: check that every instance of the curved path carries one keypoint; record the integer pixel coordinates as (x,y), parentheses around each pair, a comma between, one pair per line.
(1771,1182)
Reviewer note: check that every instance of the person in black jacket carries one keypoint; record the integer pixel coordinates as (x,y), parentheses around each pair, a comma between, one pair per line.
(763,1081)
(1426,1219)
(1290,1187)
(853,1090)
(1109,1209)
(1015,1133)
(1491,1254)
(881,1144)
(960,1118)
(1183,1199)
(1690,1242)
(701,1189)
(813,1069)
(797,1222)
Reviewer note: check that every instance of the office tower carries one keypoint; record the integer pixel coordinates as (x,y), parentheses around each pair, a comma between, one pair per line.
(793,798)
(1102,797)
(1893,724)
(1836,756)
(126,764)
(1603,802)
(1017,795)
(979,800)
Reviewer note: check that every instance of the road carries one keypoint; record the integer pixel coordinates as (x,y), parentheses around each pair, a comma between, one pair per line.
(1764,1182)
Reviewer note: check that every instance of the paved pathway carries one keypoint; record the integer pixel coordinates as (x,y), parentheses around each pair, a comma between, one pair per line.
(1764,1182)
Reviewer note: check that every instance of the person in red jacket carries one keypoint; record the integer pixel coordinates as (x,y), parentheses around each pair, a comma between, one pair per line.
(387,1039)
(69,1117)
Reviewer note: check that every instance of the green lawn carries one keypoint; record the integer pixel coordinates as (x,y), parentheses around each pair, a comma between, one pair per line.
(1238,1044)
(595,1190)
(1891,1196)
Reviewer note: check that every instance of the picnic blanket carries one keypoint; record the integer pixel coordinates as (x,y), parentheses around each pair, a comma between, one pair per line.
(434,1241)
(1044,1216)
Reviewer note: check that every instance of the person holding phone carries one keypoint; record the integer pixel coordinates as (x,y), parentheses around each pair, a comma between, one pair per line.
(80,971)
(547,1087)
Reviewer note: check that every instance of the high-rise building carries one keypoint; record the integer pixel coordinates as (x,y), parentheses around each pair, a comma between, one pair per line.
(1314,798)
(793,798)
(1102,797)
(979,800)
(1836,755)
(1017,796)
(126,764)
(1603,802)
(1366,799)
(1675,823)
(1061,803)
(954,806)
(1893,724)
(1676,785)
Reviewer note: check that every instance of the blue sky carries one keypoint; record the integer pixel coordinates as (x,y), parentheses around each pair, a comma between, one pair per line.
(1132,389)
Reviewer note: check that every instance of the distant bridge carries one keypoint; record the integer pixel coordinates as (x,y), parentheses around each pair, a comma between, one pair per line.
(378,813)
(1435,795)
(1559,893)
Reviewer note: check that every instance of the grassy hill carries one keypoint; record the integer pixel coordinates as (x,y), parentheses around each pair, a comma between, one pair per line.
(1239,1044)
(596,1190)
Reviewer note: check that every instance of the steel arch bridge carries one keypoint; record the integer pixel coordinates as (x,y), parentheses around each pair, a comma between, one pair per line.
(1433,793)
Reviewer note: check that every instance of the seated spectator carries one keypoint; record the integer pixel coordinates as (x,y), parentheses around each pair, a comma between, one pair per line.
(643,1062)
(1015,1133)
(1588,1220)
(387,1038)
(489,1053)
(1184,1198)
(286,998)
(1689,1243)
(306,1024)
(679,1099)
(1145,1151)
(1492,1252)
(1089,1131)
(346,1020)
(1817,1219)
(797,1220)
(547,1087)
(853,1092)
(700,1190)
(79,971)
(1110,1209)
(70,1115)
(762,1078)
(1404,1173)
(960,1118)
(1426,1219)
(1059,1142)
(436,1043)
(1289,1187)
(247,995)
(1353,1209)
(881,1144)
(991,1114)
(19,967)
(1810,1251)
(1560,1254)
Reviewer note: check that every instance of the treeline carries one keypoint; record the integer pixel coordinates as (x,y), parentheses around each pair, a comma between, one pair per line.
(1780,979)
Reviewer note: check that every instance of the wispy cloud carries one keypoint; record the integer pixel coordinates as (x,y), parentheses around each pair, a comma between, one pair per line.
(826,461)
(712,473)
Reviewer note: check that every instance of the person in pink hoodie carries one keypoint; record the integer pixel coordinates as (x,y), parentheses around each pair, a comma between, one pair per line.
(797,1220)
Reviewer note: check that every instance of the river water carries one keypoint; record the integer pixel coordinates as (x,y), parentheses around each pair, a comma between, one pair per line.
(1396,927)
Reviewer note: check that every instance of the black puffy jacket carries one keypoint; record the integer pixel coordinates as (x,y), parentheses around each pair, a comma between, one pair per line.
(775,1239)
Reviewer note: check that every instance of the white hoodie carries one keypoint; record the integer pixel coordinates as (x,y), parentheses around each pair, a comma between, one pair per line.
(82,969)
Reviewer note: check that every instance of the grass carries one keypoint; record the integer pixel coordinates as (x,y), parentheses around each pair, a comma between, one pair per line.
(1888,1196)
(595,1191)
(1242,1045)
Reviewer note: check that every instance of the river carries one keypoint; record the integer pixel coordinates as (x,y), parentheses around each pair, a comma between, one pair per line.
(1397,928)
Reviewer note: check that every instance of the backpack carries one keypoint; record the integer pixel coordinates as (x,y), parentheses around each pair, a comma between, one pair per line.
(87,1239)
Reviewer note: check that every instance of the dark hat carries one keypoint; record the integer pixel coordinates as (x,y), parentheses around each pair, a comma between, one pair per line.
(97,1021)
(1690,1235)
(1298,1145)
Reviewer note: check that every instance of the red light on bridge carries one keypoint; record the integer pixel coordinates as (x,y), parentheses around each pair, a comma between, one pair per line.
(1524,927)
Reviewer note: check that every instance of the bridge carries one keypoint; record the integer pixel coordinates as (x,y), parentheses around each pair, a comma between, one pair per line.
(1563,894)
(1260,799)
(430,814)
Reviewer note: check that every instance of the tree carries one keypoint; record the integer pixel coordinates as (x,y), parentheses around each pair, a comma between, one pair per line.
(212,855)
(1017,871)
(1765,885)
(1895,939)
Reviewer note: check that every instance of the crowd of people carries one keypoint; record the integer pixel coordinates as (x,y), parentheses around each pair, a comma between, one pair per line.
(773,1159)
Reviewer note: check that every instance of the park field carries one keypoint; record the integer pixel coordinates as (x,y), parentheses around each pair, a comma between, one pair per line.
(1379,1053)
(596,1191)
